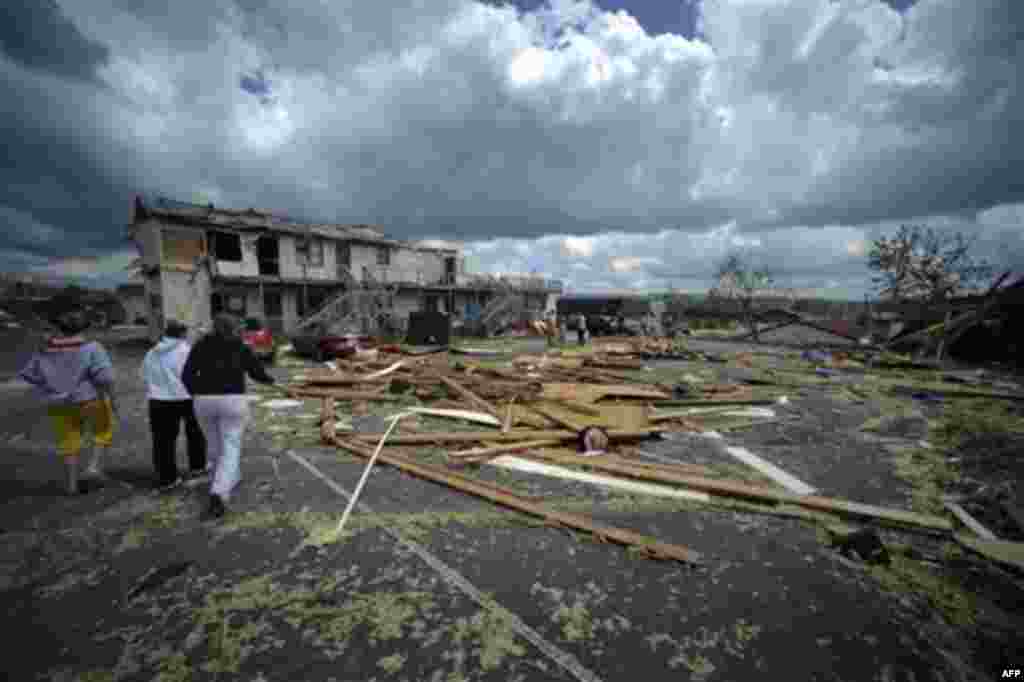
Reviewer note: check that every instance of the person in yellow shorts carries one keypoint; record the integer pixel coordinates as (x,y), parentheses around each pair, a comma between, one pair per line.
(75,378)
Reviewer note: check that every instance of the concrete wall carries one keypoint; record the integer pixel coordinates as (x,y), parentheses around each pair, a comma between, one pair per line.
(288,258)
(134,306)
(148,237)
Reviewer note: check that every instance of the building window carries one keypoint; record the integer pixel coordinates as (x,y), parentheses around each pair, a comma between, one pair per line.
(310,252)
(227,247)
(383,256)
(344,255)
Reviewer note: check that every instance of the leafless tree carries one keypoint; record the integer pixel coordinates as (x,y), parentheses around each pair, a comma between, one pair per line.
(737,279)
(922,264)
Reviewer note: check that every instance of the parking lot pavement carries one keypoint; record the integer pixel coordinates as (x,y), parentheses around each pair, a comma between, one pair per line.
(430,584)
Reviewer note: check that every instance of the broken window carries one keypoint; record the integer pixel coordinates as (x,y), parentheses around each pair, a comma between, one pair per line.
(383,256)
(310,252)
(227,247)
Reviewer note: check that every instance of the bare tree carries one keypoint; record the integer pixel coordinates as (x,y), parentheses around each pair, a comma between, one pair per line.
(737,279)
(922,264)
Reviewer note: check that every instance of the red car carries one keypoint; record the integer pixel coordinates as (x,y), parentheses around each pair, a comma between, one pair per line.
(258,337)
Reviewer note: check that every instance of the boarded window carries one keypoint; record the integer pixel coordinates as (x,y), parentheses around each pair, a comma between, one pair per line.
(227,247)
(181,247)
(383,256)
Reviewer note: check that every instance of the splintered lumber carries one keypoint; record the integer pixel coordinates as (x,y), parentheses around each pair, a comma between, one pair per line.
(589,393)
(344,395)
(559,419)
(327,416)
(1000,551)
(969,521)
(603,363)
(744,490)
(476,417)
(577,459)
(333,379)
(711,403)
(495,450)
(465,393)
(497,436)
(651,547)
(528,465)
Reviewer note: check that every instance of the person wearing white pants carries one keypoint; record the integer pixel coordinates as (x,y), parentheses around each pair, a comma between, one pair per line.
(214,375)
(223,419)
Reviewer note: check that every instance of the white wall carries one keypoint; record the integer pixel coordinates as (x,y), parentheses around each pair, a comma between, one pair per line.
(186,299)
(289,309)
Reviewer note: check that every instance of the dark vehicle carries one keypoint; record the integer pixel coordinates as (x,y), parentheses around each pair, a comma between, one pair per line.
(322,347)
(258,337)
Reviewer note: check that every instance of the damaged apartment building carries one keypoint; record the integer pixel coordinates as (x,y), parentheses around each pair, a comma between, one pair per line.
(196,261)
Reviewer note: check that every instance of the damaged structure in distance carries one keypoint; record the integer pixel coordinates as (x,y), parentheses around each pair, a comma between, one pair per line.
(196,261)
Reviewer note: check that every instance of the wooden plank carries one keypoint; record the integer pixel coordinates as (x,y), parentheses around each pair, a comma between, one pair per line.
(1001,551)
(468,415)
(327,417)
(528,465)
(969,521)
(556,417)
(744,490)
(504,449)
(783,478)
(497,436)
(464,392)
(589,393)
(650,546)
(338,394)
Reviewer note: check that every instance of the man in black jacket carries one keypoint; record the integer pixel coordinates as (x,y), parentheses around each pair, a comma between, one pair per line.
(214,375)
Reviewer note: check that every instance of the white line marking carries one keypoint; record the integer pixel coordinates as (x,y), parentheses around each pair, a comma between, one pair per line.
(529,466)
(455,579)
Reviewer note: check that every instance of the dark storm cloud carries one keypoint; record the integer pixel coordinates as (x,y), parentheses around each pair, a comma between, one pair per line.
(37,35)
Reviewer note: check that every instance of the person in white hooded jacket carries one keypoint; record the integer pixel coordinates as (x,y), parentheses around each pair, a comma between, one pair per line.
(169,405)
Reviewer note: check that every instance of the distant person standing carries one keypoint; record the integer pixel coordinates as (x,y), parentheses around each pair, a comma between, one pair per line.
(75,378)
(214,374)
(581,328)
(169,405)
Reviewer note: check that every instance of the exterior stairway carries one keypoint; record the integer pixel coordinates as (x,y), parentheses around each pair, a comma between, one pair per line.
(360,308)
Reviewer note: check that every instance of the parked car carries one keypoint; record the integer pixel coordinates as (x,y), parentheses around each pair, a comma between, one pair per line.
(322,347)
(259,338)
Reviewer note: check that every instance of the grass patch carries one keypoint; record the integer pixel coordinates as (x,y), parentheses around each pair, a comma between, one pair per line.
(942,593)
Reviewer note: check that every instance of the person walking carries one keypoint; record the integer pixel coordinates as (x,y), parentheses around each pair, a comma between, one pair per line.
(581,328)
(75,378)
(214,374)
(169,405)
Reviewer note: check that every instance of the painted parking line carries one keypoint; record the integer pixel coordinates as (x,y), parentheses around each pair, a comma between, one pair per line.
(563,659)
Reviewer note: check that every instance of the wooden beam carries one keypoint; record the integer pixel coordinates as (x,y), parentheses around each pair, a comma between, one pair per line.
(764,493)
(465,393)
(344,395)
(650,546)
(497,436)
(968,520)
(496,450)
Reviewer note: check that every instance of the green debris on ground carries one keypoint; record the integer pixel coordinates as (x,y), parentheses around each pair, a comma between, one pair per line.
(942,592)
(319,529)
(576,621)
(489,635)
(392,664)
(174,668)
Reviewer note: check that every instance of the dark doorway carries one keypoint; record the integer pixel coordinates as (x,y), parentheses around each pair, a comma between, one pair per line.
(268,255)
(273,311)
(216,304)
(449,270)
(430,304)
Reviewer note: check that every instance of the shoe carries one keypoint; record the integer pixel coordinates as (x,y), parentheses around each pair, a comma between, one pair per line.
(217,508)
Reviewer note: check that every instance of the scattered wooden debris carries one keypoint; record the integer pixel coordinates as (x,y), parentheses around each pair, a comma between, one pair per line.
(650,546)
(511,436)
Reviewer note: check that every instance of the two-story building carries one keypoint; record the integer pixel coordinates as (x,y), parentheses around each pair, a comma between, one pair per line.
(196,261)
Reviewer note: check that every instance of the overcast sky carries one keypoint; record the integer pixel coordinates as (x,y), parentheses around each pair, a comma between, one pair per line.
(613,144)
